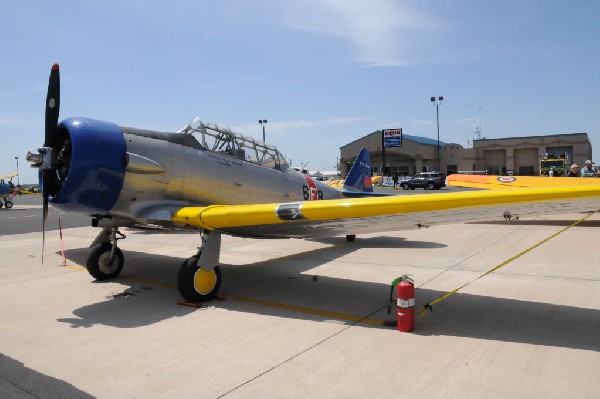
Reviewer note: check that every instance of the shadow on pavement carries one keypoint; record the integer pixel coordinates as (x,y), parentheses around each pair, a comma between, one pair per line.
(18,381)
(150,296)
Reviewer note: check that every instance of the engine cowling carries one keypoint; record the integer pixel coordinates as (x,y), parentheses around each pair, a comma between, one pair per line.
(88,166)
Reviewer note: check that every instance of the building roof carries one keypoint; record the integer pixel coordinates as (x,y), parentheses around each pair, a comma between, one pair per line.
(534,137)
(422,140)
(416,139)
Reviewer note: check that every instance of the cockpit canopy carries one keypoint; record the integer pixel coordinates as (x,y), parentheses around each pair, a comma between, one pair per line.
(222,139)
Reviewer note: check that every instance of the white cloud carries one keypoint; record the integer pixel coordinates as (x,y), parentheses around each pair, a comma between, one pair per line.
(383,32)
(282,127)
(420,122)
(467,121)
(279,129)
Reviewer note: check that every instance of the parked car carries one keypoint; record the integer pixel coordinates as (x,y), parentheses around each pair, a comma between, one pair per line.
(426,180)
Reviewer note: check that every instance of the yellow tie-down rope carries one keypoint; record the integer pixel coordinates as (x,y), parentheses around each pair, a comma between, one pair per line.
(428,306)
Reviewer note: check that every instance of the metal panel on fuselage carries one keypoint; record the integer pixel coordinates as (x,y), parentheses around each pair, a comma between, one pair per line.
(194,176)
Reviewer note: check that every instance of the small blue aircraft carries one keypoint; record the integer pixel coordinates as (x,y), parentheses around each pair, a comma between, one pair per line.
(7,191)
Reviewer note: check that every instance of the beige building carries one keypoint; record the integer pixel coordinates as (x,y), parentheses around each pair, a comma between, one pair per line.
(521,155)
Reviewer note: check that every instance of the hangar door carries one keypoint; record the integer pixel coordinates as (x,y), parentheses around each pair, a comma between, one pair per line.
(494,161)
(526,161)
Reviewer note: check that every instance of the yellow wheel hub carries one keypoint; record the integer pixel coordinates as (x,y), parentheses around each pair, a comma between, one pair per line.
(205,281)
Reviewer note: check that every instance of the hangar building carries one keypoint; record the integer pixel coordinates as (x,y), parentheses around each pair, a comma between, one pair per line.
(521,155)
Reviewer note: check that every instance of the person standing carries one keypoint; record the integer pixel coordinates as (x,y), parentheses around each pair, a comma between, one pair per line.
(574,172)
(588,170)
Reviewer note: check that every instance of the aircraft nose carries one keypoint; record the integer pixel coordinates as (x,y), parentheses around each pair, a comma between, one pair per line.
(88,159)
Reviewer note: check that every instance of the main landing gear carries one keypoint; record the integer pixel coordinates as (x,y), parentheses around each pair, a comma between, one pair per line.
(199,277)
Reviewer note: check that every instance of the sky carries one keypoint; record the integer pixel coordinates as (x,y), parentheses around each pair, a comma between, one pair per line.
(323,73)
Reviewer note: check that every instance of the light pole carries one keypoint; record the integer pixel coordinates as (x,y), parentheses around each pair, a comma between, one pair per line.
(437,114)
(18,178)
(263,122)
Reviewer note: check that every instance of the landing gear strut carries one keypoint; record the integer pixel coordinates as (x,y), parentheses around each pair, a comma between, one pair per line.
(105,261)
(199,277)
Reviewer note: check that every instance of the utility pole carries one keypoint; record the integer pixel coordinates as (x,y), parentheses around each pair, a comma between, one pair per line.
(437,113)
(18,177)
(263,123)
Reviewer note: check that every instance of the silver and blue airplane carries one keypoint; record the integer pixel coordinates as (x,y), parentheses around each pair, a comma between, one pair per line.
(211,179)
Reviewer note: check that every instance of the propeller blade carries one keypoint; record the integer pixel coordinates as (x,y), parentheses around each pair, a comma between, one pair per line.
(44,217)
(52,110)
(52,104)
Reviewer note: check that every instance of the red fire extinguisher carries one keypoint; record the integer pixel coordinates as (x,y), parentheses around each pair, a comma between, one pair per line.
(405,301)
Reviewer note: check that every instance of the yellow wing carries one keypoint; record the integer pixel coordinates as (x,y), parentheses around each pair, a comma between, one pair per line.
(386,213)
(8,176)
(338,183)
(501,182)
(28,192)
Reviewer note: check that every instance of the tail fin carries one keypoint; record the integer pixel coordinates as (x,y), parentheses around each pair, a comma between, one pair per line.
(358,183)
(359,177)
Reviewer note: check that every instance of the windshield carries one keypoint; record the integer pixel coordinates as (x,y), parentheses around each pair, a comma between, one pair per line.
(559,163)
(222,139)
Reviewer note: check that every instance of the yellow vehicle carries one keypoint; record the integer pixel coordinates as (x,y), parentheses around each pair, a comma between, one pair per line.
(559,166)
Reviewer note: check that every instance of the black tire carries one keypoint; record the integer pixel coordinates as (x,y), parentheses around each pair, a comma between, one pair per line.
(1,203)
(97,262)
(9,204)
(196,284)
(351,237)
(405,186)
(430,186)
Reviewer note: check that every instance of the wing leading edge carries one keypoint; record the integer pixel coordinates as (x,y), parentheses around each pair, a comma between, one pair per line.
(225,217)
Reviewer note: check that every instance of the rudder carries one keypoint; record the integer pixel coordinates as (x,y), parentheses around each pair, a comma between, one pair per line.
(359,177)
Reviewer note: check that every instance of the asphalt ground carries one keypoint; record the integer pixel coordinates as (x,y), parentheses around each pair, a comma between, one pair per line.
(301,318)
(26,217)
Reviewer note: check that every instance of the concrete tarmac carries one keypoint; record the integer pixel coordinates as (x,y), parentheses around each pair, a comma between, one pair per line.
(304,318)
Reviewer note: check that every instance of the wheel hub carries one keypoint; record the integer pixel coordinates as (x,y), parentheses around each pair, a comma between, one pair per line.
(205,281)
(105,265)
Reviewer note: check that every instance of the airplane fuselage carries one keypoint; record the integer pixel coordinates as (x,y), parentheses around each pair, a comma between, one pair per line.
(127,174)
